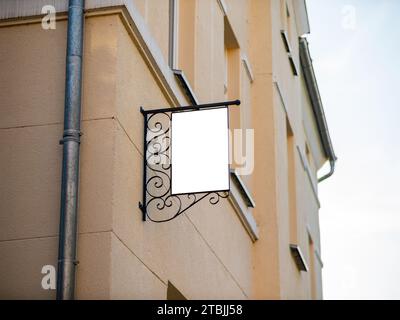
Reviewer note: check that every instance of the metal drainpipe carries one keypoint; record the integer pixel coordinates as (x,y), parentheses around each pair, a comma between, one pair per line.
(330,173)
(71,141)
(312,86)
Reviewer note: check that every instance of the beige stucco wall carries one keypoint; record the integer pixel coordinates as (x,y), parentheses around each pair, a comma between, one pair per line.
(192,252)
(120,256)
(291,103)
(205,253)
(266,250)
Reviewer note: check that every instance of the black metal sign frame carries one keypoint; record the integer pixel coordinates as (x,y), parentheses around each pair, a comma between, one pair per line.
(156,192)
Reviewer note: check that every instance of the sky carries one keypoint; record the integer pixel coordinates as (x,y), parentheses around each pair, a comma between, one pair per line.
(354,45)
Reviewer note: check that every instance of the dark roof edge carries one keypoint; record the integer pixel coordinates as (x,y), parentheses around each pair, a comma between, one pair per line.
(316,102)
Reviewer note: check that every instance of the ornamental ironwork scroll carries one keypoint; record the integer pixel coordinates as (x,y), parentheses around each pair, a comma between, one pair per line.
(158,203)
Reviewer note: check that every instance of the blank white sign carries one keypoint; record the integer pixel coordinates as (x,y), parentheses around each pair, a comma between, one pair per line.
(200,151)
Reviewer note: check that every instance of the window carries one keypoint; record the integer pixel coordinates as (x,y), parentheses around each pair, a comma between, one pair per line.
(286,19)
(185,44)
(288,23)
(286,33)
(232,74)
(232,63)
(181,50)
(309,157)
(232,84)
(291,175)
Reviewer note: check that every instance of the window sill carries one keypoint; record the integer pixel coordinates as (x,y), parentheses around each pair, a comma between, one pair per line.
(243,203)
(184,83)
(298,257)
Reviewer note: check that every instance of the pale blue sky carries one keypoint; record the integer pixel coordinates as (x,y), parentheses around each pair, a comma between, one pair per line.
(358,70)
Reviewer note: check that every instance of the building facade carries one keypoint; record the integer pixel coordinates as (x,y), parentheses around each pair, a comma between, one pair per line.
(262,242)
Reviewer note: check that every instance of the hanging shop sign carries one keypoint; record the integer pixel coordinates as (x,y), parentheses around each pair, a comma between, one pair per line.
(186,158)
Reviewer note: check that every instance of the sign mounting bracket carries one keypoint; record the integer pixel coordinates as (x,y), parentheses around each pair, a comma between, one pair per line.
(157,176)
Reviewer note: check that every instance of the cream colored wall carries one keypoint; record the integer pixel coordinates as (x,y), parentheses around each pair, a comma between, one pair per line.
(32,82)
(191,252)
(206,253)
(120,256)
(291,103)
(266,277)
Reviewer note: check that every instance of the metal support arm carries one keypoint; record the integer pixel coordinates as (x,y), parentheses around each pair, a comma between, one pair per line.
(158,204)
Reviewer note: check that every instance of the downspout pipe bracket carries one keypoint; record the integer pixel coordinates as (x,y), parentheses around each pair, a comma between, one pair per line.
(71,135)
